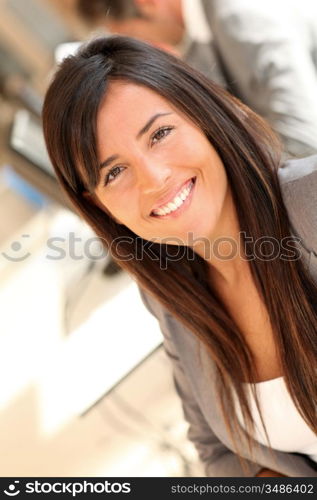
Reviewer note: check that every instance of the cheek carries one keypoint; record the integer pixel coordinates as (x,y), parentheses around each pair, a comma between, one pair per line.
(195,150)
(122,207)
(187,150)
(218,185)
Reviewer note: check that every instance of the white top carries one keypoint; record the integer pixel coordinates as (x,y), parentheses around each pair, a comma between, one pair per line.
(286,428)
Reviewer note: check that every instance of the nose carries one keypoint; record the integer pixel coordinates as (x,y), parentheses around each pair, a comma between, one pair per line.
(153,176)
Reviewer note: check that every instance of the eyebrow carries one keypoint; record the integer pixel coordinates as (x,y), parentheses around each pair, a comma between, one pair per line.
(108,161)
(150,123)
(143,130)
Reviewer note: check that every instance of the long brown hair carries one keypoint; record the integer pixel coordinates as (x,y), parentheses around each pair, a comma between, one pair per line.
(251,155)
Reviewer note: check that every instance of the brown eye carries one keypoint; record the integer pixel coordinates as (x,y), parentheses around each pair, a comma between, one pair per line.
(114,172)
(160,134)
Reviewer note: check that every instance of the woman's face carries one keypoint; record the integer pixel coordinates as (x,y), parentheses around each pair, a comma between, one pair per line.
(150,154)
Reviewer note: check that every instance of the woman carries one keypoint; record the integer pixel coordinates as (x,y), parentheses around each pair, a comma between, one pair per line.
(178,178)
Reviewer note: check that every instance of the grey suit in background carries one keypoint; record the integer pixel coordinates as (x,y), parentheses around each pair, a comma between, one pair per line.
(193,369)
(265,53)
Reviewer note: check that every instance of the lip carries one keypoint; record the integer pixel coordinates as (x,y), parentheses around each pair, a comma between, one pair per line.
(184,205)
(163,201)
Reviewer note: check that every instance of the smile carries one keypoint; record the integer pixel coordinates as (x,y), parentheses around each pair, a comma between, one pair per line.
(178,203)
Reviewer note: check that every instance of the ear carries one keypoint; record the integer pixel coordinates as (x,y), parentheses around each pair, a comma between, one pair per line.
(92,198)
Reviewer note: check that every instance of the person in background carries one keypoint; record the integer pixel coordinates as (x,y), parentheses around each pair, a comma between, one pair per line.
(177,26)
(185,185)
(265,53)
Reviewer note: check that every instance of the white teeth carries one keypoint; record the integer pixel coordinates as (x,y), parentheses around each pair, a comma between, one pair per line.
(178,201)
(173,205)
(159,211)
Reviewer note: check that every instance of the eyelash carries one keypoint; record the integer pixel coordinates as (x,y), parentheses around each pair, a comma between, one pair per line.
(155,134)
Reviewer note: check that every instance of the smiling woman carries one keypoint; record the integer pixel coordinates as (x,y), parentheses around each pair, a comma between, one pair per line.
(154,158)
(167,165)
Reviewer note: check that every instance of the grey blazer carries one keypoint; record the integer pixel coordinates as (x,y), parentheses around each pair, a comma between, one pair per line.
(193,370)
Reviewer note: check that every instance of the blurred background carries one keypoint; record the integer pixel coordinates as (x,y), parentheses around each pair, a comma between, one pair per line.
(86,388)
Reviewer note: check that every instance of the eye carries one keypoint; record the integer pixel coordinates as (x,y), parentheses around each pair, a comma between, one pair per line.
(160,134)
(113,171)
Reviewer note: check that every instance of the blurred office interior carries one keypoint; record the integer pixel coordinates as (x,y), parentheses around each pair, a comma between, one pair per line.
(86,388)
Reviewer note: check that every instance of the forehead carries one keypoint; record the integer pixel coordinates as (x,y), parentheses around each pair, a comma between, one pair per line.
(127,103)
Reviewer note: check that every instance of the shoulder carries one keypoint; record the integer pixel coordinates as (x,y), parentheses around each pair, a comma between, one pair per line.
(152,305)
(177,337)
(157,309)
(298,169)
(298,182)
(236,15)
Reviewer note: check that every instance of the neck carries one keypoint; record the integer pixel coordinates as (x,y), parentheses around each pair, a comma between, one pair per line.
(224,252)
